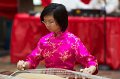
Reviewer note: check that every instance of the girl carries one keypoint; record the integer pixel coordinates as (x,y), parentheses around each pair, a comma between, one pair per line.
(60,48)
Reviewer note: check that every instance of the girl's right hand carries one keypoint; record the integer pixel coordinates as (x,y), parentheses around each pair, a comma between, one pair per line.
(22,65)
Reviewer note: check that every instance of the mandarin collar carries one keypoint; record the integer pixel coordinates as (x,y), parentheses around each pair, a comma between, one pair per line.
(59,34)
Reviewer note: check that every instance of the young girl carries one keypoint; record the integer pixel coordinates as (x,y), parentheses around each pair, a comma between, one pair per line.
(60,48)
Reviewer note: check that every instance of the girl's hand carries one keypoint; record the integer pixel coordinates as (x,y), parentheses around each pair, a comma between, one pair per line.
(89,70)
(22,65)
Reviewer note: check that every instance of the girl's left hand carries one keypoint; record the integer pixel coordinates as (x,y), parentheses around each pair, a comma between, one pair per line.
(89,70)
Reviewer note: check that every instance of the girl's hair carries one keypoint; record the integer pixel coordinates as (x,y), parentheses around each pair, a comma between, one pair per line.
(59,13)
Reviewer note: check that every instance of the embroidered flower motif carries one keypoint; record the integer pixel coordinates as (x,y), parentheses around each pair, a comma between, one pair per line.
(64,56)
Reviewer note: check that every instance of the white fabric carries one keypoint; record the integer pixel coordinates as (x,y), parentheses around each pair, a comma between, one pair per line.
(71,4)
(110,5)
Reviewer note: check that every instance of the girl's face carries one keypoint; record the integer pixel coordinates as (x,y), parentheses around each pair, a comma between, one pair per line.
(51,24)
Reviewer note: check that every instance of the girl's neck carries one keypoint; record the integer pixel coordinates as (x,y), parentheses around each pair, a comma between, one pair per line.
(57,34)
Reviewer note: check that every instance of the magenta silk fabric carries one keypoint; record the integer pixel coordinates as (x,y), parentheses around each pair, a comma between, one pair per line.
(62,51)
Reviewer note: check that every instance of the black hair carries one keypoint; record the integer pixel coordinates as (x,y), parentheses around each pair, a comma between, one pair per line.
(59,13)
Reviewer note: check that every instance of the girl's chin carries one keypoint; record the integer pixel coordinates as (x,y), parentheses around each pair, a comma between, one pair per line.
(50,30)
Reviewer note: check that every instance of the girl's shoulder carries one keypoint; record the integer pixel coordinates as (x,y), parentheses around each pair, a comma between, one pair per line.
(72,36)
(45,38)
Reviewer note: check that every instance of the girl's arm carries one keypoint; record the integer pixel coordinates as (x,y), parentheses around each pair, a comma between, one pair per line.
(32,59)
(85,58)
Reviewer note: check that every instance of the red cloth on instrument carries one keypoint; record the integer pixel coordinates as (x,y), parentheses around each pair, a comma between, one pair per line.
(8,8)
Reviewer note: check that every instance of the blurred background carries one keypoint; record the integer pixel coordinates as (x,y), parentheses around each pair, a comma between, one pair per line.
(95,22)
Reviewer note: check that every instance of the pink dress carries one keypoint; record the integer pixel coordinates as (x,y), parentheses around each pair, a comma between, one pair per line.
(62,51)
